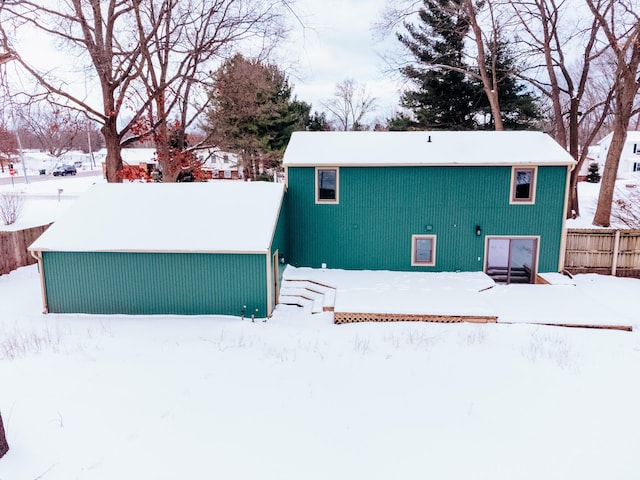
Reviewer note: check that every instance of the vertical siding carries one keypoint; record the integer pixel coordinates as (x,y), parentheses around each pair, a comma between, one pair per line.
(279,243)
(381,207)
(155,283)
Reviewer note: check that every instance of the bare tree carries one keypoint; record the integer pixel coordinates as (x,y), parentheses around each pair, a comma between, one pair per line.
(145,56)
(625,209)
(55,128)
(184,36)
(545,38)
(351,103)
(8,146)
(485,26)
(621,25)
(489,80)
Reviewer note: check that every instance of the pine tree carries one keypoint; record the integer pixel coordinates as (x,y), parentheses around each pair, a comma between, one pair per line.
(448,92)
(519,107)
(253,112)
(443,98)
(594,173)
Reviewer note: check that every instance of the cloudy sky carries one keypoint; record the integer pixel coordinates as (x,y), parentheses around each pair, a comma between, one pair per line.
(339,43)
(335,42)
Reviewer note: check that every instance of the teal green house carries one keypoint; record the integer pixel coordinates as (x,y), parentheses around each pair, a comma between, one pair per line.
(148,249)
(490,202)
(428,201)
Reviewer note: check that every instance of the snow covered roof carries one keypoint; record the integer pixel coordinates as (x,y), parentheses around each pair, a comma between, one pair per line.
(424,148)
(231,217)
(133,156)
(632,136)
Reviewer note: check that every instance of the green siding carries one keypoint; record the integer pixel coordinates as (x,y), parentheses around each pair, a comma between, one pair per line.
(280,236)
(381,207)
(155,283)
(280,244)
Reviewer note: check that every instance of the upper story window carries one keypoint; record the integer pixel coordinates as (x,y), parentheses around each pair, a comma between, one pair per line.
(636,166)
(327,180)
(523,184)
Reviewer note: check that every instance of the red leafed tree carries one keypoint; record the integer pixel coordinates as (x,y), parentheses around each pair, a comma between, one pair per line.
(139,55)
(8,147)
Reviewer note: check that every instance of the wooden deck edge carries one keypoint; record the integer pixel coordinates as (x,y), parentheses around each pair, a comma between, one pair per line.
(624,328)
(354,317)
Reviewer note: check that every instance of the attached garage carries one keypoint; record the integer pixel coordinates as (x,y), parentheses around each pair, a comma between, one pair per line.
(188,249)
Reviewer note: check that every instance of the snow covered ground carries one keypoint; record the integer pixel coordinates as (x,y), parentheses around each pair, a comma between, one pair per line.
(166,397)
(104,397)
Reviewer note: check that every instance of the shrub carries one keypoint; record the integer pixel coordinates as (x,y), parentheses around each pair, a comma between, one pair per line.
(594,174)
(10,207)
(626,206)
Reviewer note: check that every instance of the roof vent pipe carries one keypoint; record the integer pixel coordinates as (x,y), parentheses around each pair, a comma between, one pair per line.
(429,139)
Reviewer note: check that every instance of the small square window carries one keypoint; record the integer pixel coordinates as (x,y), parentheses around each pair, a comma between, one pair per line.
(636,166)
(523,185)
(327,185)
(423,250)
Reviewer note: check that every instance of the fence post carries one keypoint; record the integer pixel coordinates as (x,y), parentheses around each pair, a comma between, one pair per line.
(616,247)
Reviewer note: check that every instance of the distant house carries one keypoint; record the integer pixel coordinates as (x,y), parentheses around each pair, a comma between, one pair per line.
(140,248)
(428,201)
(137,163)
(629,158)
(220,165)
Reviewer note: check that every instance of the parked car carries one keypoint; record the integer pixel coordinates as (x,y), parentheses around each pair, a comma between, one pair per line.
(64,170)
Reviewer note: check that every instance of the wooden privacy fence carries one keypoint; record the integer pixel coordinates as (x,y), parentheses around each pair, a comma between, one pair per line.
(14,245)
(605,251)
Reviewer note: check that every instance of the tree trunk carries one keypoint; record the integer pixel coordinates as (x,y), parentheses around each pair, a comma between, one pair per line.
(627,57)
(113,160)
(4,446)
(602,217)
(489,85)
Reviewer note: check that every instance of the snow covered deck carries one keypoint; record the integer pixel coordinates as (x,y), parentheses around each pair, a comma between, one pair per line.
(447,297)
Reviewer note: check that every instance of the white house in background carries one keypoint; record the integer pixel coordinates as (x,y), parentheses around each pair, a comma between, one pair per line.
(629,158)
(222,165)
(131,156)
(593,153)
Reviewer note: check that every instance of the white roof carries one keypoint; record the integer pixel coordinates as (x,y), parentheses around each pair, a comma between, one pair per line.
(219,216)
(414,148)
(133,156)
(632,136)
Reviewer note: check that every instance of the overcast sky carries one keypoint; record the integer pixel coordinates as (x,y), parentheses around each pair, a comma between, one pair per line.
(339,43)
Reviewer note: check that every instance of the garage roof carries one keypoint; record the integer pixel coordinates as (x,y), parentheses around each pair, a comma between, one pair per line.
(220,216)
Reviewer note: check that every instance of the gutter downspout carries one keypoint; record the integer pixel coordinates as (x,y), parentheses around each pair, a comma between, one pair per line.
(43,287)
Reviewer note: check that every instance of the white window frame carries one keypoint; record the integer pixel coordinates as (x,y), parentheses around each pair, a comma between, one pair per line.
(414,244)
(317,185)
(534,181)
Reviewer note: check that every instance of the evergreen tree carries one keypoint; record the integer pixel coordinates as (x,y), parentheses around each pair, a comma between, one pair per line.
(443,98)
(519,107)
(594,173)
(253,113)
(318,123)
(448,92)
